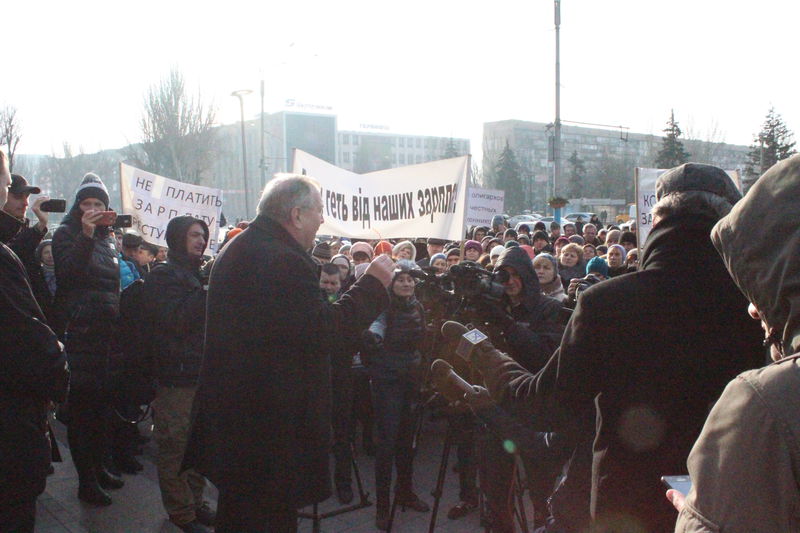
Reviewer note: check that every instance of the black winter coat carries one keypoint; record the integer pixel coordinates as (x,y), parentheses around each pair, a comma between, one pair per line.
(177,303)
(645,388)
(87,297)
(34,373)
(262,413)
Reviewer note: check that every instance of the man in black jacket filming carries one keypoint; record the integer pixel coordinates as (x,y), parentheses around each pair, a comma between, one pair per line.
(34,374)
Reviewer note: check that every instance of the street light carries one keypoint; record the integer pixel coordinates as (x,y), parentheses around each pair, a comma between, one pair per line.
(240,95)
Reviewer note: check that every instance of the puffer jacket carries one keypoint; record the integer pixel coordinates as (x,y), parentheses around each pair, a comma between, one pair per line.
(87,274)
(402,328)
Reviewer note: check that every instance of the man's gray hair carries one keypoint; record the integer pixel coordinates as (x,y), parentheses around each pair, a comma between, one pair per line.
(285,192)
(692,203)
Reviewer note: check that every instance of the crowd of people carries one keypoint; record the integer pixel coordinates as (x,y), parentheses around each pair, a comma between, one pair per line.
(603,368)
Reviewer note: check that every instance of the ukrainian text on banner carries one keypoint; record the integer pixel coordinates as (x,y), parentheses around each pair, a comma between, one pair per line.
(645,180)
(482,205)
(425,200)
(154,200)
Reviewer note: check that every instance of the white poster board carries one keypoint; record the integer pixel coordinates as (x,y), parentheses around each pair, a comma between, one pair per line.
(154,200)
(426,200)
(482,205)
(645,180)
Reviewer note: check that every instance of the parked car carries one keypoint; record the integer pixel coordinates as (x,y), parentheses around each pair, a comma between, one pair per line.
(547,220)
(573,217)
(517,219)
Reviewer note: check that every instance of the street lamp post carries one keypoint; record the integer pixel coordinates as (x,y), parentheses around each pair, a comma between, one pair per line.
(557,124)
(240,95)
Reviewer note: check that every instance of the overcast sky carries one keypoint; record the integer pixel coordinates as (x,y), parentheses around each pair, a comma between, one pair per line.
(77,71)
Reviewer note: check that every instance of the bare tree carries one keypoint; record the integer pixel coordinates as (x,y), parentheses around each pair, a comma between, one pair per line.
(10,132)
(705,147)
(178,138)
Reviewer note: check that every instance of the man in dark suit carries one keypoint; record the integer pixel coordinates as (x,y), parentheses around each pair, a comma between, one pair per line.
(262,423)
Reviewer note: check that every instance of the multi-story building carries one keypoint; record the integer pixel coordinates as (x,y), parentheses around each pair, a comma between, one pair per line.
(366,151)
(601,150)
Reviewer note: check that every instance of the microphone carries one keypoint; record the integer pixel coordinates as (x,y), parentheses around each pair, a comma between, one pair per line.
(447,382)
(468,339)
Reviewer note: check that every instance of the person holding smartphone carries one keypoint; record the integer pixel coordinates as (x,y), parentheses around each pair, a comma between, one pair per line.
(87,297)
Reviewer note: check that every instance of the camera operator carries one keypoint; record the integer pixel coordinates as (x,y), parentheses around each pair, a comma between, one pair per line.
(34,374)
(527,324)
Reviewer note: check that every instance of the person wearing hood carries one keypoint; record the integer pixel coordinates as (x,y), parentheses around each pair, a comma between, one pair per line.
(528,325)
(176,297)
(546,268)
(743,465)
(346,277)
(394,342)
(34,374)
(88,280)
(644,407)
(404,250)
(616,260)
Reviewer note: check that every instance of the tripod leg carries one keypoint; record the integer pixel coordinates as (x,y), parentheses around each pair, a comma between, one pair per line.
(357,474)
(437,492)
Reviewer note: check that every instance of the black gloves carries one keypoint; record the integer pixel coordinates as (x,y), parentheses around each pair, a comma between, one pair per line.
(372,342)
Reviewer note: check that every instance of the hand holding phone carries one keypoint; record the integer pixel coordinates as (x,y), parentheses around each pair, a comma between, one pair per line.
(107,219)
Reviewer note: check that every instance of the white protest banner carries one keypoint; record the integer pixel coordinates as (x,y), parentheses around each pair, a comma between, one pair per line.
(482,205)
(645,180)
(154,200)
(425,200)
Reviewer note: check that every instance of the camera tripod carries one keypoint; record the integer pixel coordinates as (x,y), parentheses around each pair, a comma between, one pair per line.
(317,517)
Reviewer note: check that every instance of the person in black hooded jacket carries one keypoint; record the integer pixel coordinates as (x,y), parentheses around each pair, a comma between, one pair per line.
(530,327)
(176,300)
(88,286)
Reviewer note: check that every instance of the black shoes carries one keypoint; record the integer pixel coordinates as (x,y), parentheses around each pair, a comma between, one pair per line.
(206,515)
(462,509)
(412,501)
(345,494)
(193,527)
(128,464)
(108,481)
(91,493)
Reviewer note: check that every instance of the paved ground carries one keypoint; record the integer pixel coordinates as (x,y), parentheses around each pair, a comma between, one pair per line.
(137,506)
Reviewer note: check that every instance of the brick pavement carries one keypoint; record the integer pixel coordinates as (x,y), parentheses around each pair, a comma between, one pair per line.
(137,506)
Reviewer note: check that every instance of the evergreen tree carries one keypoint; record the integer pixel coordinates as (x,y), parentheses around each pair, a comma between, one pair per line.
(508,177)
(672,152)
(577,173)
(450,150)
(777,141)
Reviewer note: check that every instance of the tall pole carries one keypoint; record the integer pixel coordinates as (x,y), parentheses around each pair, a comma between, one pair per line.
(240,95)
(557,124)
(263,163)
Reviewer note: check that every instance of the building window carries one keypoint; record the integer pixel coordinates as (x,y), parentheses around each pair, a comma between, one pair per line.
(355,140)
(346,138)
(401,142)
(401,159)
(419,145)
(346,157)
(419,157)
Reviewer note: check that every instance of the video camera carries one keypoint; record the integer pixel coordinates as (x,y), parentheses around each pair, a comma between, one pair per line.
(461,288)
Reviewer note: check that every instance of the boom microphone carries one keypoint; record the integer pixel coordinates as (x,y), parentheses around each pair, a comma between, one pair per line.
(447,382)
(468,339)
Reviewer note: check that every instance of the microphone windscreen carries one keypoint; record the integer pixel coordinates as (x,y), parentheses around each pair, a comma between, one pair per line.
(453,330)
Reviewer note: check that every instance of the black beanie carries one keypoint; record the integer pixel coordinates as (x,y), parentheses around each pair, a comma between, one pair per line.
(92,187)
